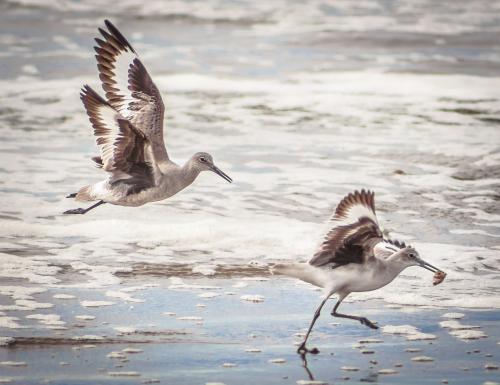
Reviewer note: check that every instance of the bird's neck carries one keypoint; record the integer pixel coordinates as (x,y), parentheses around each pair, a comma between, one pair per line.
(189,173)
(394,265)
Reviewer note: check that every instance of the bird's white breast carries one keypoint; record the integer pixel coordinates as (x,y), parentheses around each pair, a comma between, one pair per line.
(361,277)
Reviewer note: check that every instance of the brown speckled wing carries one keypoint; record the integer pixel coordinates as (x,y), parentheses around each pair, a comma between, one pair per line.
(352,241)
(361,200)
(120,144)
(129,88)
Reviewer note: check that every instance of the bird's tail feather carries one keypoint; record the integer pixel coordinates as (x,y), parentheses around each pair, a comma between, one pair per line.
(85,194)
(301,270)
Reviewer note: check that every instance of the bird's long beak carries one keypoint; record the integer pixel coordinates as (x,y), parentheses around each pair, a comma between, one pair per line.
(427,266)
(218,171)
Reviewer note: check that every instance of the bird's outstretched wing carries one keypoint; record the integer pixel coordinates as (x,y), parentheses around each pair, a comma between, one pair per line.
(355,232)
(124,149)
(129,88)
(354,206)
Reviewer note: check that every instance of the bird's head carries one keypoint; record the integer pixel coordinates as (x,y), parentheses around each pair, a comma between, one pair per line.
(408,256)
(203,161)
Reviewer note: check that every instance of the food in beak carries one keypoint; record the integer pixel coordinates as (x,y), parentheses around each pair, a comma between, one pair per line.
(439,277)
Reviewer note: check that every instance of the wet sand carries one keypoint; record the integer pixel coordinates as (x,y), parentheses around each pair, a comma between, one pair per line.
(205,332)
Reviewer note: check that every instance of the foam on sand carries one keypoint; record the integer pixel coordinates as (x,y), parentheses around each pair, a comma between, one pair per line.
(190,318)
(13,363)
(422,359)
(63,296)
(209,294)
(410,332)
(277,361)
(116,355)
(6,341)
(85,317)
(123,296)
(124,374)
(132,350)
(253,350)
(47,319)
(255,298)
(461,331)
(96,303)
(10,322)
(387,371)
(350,368)
(453,315)
(468,334)
(455,325)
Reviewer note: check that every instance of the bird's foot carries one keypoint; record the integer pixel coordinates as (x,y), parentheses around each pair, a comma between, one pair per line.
(367,322)
(302,350)
(75,211)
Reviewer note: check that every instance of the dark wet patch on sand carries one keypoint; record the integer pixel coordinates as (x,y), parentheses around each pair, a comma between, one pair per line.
(138,337)
(186,270)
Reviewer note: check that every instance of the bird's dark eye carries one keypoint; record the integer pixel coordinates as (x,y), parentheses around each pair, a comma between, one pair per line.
(411,255)
(202,159)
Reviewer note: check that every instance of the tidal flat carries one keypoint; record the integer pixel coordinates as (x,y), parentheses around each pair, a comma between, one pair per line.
(206,331)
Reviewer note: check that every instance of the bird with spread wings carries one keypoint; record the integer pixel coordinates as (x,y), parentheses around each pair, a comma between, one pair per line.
(353,257)
(128,128)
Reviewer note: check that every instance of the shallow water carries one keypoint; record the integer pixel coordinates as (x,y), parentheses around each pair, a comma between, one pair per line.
(185,336)
(300,104)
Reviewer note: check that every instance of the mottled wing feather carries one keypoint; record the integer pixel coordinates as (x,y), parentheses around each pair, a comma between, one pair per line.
(397,244)
(147,106)
(385,249)
(128,86)
(350,242)
(120,144)
(140,177)
(354,206)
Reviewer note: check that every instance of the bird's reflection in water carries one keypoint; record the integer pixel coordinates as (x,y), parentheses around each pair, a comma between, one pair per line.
(371,377)
(306,367)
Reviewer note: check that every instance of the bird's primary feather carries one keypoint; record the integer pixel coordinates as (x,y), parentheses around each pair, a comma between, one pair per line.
(124,149)
(354,235)
(129,88)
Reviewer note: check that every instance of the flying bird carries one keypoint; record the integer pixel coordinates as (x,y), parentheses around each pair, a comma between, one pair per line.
(128,126)
(353,257)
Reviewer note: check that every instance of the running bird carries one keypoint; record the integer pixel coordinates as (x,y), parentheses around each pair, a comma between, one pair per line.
(354,257)
(128,127)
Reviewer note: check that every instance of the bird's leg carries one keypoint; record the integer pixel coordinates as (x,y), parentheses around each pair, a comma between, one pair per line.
(302,350)
(84,211)
(363,320)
